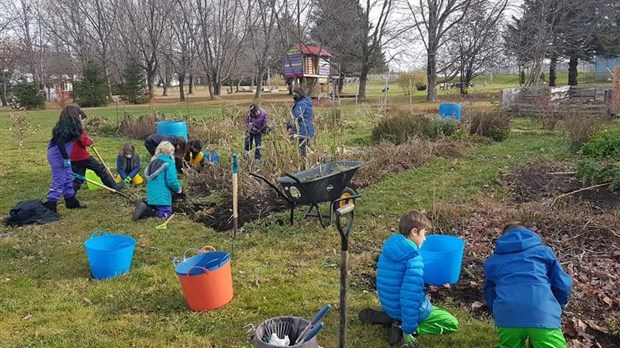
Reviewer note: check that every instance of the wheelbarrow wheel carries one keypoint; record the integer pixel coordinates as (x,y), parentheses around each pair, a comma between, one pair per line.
(348,192)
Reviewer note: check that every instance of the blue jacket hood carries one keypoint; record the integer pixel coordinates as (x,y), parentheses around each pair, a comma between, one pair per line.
(398,248)
(517,239)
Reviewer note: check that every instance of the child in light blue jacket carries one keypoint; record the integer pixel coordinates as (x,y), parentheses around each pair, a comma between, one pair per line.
(401,287)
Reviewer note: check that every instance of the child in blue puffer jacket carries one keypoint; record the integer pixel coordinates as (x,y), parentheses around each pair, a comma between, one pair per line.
(401,287)
(526,290)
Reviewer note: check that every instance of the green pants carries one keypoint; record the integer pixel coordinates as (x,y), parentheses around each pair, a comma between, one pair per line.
(512,337)
(438,322)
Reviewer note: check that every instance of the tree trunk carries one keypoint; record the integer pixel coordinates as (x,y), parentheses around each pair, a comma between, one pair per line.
(259,83)
(431,73)
(191,84)
(572,71)
(361,92)
(181,87)
(150,80)
(108,83)
(165,92)
(552,71)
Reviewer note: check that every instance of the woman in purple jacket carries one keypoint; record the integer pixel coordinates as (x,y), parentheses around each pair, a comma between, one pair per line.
(255,123)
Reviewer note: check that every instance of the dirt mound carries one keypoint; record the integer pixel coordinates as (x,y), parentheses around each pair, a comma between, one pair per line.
(548,180)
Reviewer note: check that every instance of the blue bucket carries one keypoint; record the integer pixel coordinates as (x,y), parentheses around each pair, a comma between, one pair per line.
(443,256)
(202,262)
(109,255)
(450,110)
(177,128)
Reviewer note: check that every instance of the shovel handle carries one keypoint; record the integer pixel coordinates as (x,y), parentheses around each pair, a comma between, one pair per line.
(315,330)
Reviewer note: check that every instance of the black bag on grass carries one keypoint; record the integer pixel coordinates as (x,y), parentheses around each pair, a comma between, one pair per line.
(30,212)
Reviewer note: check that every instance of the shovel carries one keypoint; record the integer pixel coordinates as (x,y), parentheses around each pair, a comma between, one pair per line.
(344,257)
(165,224)
(103,162)
(102,186)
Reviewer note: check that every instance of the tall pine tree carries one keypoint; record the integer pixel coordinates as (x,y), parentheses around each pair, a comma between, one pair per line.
(134,89)
(92,89)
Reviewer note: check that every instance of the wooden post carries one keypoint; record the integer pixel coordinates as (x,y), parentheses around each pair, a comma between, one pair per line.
(615,94)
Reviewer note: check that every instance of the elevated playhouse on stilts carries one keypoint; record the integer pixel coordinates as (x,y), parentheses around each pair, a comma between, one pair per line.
(308,66)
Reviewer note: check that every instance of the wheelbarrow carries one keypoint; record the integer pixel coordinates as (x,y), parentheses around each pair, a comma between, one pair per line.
(324,183)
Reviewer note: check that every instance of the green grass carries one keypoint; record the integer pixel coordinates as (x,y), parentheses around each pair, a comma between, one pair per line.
(49,300)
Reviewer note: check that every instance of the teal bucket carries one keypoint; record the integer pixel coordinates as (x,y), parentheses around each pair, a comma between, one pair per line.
(109,255)
(450,110)
(443,257)
(176,128)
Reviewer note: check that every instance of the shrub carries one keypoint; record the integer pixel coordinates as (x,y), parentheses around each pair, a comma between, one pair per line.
(493,124)
(101,126)
(603,145)
(592,173)
(92,90)
(21,127)
(410,81)
(402,126)
(139,127)
(28,96)
(581,128)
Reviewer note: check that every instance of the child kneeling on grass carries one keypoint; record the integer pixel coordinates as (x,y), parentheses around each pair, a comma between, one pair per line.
(128,165)
(526,290)
(161,183)
(401,287)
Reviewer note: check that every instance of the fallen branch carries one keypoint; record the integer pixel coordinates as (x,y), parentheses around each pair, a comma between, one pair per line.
(562,173)
(577,191)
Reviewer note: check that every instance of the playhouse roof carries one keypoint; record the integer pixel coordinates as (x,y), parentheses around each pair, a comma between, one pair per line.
(312,49)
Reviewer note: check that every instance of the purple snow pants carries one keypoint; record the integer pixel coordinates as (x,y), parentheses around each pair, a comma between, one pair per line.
(162,211)
(62,178)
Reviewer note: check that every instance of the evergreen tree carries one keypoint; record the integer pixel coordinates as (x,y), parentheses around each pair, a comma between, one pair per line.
(92,89)
(134,88)
(28,96)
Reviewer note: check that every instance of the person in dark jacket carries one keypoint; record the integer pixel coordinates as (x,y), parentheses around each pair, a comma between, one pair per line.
(67,129)
(179,143)
(128,165)
(526,289)
(256,121)
(304,117)
(400,286)
(161,183)
(82,160)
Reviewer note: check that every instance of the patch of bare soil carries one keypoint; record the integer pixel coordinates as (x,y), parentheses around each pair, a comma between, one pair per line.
(218,214)
(548,180)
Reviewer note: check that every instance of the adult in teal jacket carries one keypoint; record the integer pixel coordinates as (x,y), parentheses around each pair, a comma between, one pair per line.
(526,289)
(304,117)
(161,183)
(400,285)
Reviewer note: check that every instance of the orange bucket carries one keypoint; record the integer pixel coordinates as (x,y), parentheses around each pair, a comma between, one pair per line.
(206,278)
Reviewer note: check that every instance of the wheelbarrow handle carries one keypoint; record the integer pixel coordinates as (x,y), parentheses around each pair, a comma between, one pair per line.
(280,193)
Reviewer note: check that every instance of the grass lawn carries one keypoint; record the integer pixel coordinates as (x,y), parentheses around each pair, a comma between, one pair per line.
(49,300)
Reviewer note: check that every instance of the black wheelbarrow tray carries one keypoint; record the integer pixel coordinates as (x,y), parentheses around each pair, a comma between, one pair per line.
(324,183)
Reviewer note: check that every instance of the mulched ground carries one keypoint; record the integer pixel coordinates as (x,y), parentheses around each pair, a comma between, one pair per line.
(583,230)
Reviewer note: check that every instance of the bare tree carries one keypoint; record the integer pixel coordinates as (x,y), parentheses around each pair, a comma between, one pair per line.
(27,27)
(222,34)
(141,27)
(474,41)
(183,50)
(263,17)
(433,19)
